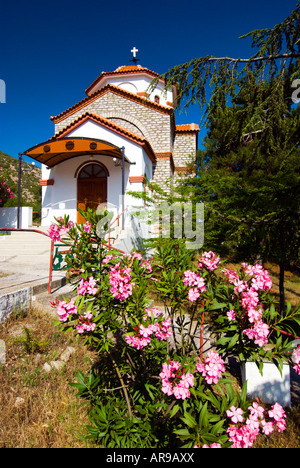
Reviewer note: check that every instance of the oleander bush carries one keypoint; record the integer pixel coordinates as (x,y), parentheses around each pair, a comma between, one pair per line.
(157,381)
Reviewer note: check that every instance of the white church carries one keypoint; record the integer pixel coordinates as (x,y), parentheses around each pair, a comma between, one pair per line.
(110,142)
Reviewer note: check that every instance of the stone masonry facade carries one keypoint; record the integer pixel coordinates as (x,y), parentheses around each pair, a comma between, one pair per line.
(173,146)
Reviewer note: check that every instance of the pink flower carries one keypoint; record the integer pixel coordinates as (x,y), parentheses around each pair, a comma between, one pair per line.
(146,331)
(146,264)
(63,230)
(214,445)
(296,359)
(179,384)
(231,275)
(85,323)
(243,436)
(164,330)
(261,280)
(239,285)
(278,414)
(141,334)
(209,260)
(153,312)
(236,414)
(212,367)
(249,299)
(193,294)
(267,427)
(231,315)
(189,278)
(121,287)
(137,342)
(257,410)
(254,315)
(65,309)
(259,333)
(192,278)
(87,227)
(87,287)
(54,233)
(137,255)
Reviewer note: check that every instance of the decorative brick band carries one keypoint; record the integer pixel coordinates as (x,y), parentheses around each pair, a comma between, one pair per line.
(136,179)
(143,94)
(165,156)
(46,182)
(181,169)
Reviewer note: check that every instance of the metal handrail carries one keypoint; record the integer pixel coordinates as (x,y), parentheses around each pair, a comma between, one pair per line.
(51,248)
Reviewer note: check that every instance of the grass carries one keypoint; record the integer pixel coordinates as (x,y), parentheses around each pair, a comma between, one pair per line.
(291,283)
(4,275)
(40,409)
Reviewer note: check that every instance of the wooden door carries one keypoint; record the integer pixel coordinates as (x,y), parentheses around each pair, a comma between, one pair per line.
(91,189)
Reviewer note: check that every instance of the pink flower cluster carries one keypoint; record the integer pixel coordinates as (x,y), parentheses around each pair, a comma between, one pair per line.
(209,260)
(243,435)
(87,287)
(259,333)
(85,323)
(214,445)
(65,309)
(119,279)
(261,280)
(192,278)
(144,263)
(87,227)
(212,367)
(57,232)
(5,192)
(296,359)
(142,333)
(174,383)
(249,298)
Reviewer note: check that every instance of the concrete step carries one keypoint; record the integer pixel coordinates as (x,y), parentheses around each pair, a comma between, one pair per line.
(43,300)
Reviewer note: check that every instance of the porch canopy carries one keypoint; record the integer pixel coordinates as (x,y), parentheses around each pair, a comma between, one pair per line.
(56,151)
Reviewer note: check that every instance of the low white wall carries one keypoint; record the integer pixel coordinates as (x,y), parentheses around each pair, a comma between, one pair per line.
(271,386)
(9,217)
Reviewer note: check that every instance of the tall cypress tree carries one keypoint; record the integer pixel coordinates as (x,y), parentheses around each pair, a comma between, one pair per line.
(248,174)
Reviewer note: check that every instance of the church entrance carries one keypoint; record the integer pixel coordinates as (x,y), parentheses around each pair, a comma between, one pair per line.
(91,188)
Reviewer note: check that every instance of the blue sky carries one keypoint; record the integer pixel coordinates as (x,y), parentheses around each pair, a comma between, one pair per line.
(50,52)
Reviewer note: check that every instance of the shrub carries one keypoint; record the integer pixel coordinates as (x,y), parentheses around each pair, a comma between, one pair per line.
(5,192)
(153,386)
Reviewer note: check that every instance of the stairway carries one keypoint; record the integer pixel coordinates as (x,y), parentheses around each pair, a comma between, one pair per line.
(22,246)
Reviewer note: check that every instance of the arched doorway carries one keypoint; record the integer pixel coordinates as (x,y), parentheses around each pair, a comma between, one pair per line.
(91,187)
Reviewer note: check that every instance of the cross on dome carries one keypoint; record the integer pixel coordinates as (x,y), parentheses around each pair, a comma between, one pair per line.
(134,51)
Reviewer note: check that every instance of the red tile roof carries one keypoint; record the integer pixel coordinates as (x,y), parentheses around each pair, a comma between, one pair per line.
(110,125)
(124,69)
(187,128)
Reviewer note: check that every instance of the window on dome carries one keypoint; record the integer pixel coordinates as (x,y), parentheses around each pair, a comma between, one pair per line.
(156,99)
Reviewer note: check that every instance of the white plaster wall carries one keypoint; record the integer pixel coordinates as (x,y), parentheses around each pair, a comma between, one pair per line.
(9,217)
(61,197)
(139,83)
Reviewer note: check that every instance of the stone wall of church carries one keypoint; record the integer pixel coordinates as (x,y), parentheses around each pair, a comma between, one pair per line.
(184,149)
(163,168)
(156,126)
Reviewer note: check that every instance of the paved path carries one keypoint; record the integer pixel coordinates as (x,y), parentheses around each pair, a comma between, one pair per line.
(25,260)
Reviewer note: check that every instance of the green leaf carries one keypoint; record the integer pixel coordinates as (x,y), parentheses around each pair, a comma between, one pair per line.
(203,419)
(217,305)
(189,420)
(182,432)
